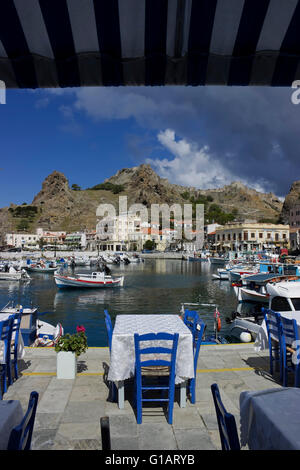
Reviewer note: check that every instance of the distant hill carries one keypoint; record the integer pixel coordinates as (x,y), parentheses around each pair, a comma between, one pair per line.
(59,207)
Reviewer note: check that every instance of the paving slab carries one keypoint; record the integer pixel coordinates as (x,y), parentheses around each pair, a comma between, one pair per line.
(69,411)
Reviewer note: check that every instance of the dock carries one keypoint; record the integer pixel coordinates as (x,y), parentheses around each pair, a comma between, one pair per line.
(69,411)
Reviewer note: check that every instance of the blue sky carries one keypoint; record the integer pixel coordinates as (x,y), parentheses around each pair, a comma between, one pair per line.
(201,137)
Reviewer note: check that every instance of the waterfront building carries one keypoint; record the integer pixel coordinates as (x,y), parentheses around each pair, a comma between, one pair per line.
(76,240)
(21,240)
(33,240)
(251,236)
(120,233)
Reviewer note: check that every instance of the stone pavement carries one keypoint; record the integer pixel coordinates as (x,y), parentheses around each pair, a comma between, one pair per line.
(69,411)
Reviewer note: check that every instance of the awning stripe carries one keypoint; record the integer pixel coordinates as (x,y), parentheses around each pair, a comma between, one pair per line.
(50,43)
(155,41)
(16,47)
(109,37)
(201,26)
(252,20)
(288,59)
(57,22)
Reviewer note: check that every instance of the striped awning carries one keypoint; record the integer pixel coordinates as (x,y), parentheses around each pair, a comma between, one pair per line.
(73,43)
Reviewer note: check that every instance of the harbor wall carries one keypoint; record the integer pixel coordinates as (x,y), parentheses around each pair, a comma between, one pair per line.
(4,255)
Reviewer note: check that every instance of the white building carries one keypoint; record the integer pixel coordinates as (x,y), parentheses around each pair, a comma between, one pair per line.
(22,240)
(252,236)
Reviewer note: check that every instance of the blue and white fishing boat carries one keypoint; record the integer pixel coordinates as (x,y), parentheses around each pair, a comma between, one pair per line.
(35,332)
(209,337)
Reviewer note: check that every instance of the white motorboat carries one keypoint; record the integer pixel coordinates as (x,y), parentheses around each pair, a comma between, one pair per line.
(93,280)
(283,296)
(13,275)
(253,288)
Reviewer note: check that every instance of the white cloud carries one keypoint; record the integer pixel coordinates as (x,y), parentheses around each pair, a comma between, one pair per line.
(194,166)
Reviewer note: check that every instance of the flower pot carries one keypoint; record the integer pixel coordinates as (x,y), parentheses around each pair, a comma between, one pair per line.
(66,365)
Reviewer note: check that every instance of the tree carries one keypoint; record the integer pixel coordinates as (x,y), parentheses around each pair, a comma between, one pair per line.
(149,245)
(75,187)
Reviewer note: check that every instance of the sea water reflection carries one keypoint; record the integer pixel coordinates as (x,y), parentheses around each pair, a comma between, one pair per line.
(155,286)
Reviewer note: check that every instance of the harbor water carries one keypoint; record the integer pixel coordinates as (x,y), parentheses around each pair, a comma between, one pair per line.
(151,287)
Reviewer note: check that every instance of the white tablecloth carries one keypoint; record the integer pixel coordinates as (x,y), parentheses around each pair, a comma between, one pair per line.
(11,415)
(270,419)
(122,360)
(21,350)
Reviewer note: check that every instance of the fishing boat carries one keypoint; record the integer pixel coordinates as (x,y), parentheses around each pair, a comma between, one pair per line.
(13,275)
(34,331)
(93,280)
(208,338)
(41,268)
(218,260)
(222,274)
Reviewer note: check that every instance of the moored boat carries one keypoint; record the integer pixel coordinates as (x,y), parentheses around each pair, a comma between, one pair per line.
(93,280)
(34,332)
(13,275)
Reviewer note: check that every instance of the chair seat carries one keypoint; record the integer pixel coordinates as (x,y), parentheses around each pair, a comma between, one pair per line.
(155,370)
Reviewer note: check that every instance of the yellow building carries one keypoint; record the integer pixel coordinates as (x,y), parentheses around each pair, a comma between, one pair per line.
(251,236)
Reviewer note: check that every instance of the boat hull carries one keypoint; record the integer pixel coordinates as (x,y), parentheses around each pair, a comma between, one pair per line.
(248,295)
(67,281)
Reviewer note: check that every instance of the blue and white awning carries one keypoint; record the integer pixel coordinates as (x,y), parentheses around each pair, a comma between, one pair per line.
(68,43)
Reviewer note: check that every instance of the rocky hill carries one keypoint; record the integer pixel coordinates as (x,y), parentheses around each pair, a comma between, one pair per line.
(59,207)
(292,198)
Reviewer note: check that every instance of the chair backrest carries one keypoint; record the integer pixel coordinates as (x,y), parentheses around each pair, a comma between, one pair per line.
(16,330)
(199,328)
(21,435)
(109,330)
(226,423)
(157,353)
(6,327)
(190,319)
(289,331)
(273,324)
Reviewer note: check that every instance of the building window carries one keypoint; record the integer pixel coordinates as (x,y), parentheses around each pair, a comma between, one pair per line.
(261,235)
(228,236)
(284,236)
(245,235)
(269,235)
(252,235)
(276,237)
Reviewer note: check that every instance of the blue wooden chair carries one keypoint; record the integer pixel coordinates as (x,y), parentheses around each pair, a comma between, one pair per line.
(197,340)
(273,325)
(290,349)
(190,319)
(109,330)
(5,335)
(21,435)
(154,367)
(226,423)
(15,345)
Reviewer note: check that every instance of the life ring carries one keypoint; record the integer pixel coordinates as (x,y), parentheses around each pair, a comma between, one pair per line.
(218,324)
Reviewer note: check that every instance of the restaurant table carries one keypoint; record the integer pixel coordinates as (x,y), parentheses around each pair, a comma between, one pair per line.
(11,414)
(270,419)
(122,358)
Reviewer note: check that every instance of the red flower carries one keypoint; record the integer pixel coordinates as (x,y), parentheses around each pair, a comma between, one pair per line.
(80,329)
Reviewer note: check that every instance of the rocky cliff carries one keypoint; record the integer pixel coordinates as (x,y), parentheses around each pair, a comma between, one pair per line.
(292,198)
(58,207)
